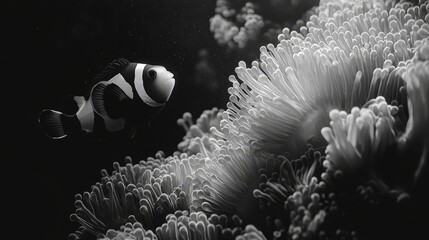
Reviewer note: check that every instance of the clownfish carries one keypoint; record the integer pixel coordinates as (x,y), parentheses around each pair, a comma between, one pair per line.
(124,97)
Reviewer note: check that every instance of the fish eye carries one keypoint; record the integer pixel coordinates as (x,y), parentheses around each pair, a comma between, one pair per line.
(152,74)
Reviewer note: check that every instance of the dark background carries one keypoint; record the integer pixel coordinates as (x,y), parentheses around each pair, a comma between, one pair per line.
(50,50)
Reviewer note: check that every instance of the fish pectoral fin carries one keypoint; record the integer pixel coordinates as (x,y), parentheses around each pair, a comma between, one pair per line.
(109,100)
(97,98)
(116,101)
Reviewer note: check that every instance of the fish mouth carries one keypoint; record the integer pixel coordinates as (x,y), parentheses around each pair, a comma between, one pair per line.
(170,75)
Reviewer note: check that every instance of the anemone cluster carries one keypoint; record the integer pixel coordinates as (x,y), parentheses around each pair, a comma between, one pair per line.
(323,138)
(241,24)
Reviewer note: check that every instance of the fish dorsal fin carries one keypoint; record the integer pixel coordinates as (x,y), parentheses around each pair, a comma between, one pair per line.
(109,71)
(113,68)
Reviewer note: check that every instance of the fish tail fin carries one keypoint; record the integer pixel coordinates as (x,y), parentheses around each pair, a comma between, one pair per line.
(57,125)
(51,123)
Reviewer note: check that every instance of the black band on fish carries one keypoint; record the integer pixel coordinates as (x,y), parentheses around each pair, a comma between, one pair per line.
(70,124)
(116,102)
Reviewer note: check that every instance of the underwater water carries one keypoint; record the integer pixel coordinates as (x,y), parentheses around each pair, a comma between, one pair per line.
(62,44)
(360,178)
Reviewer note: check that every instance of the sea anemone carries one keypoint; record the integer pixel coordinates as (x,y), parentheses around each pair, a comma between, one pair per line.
(227,181)
(240,25)
(147,192)
(144,192)
(416,136)
(226,32)
(294,200)
(224,180)
(129,231)
(364,142)
(184,225)
(197,225)
(339,60)
(356,140)
(385,159)
(251,233)
(198,134)
(276,188)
